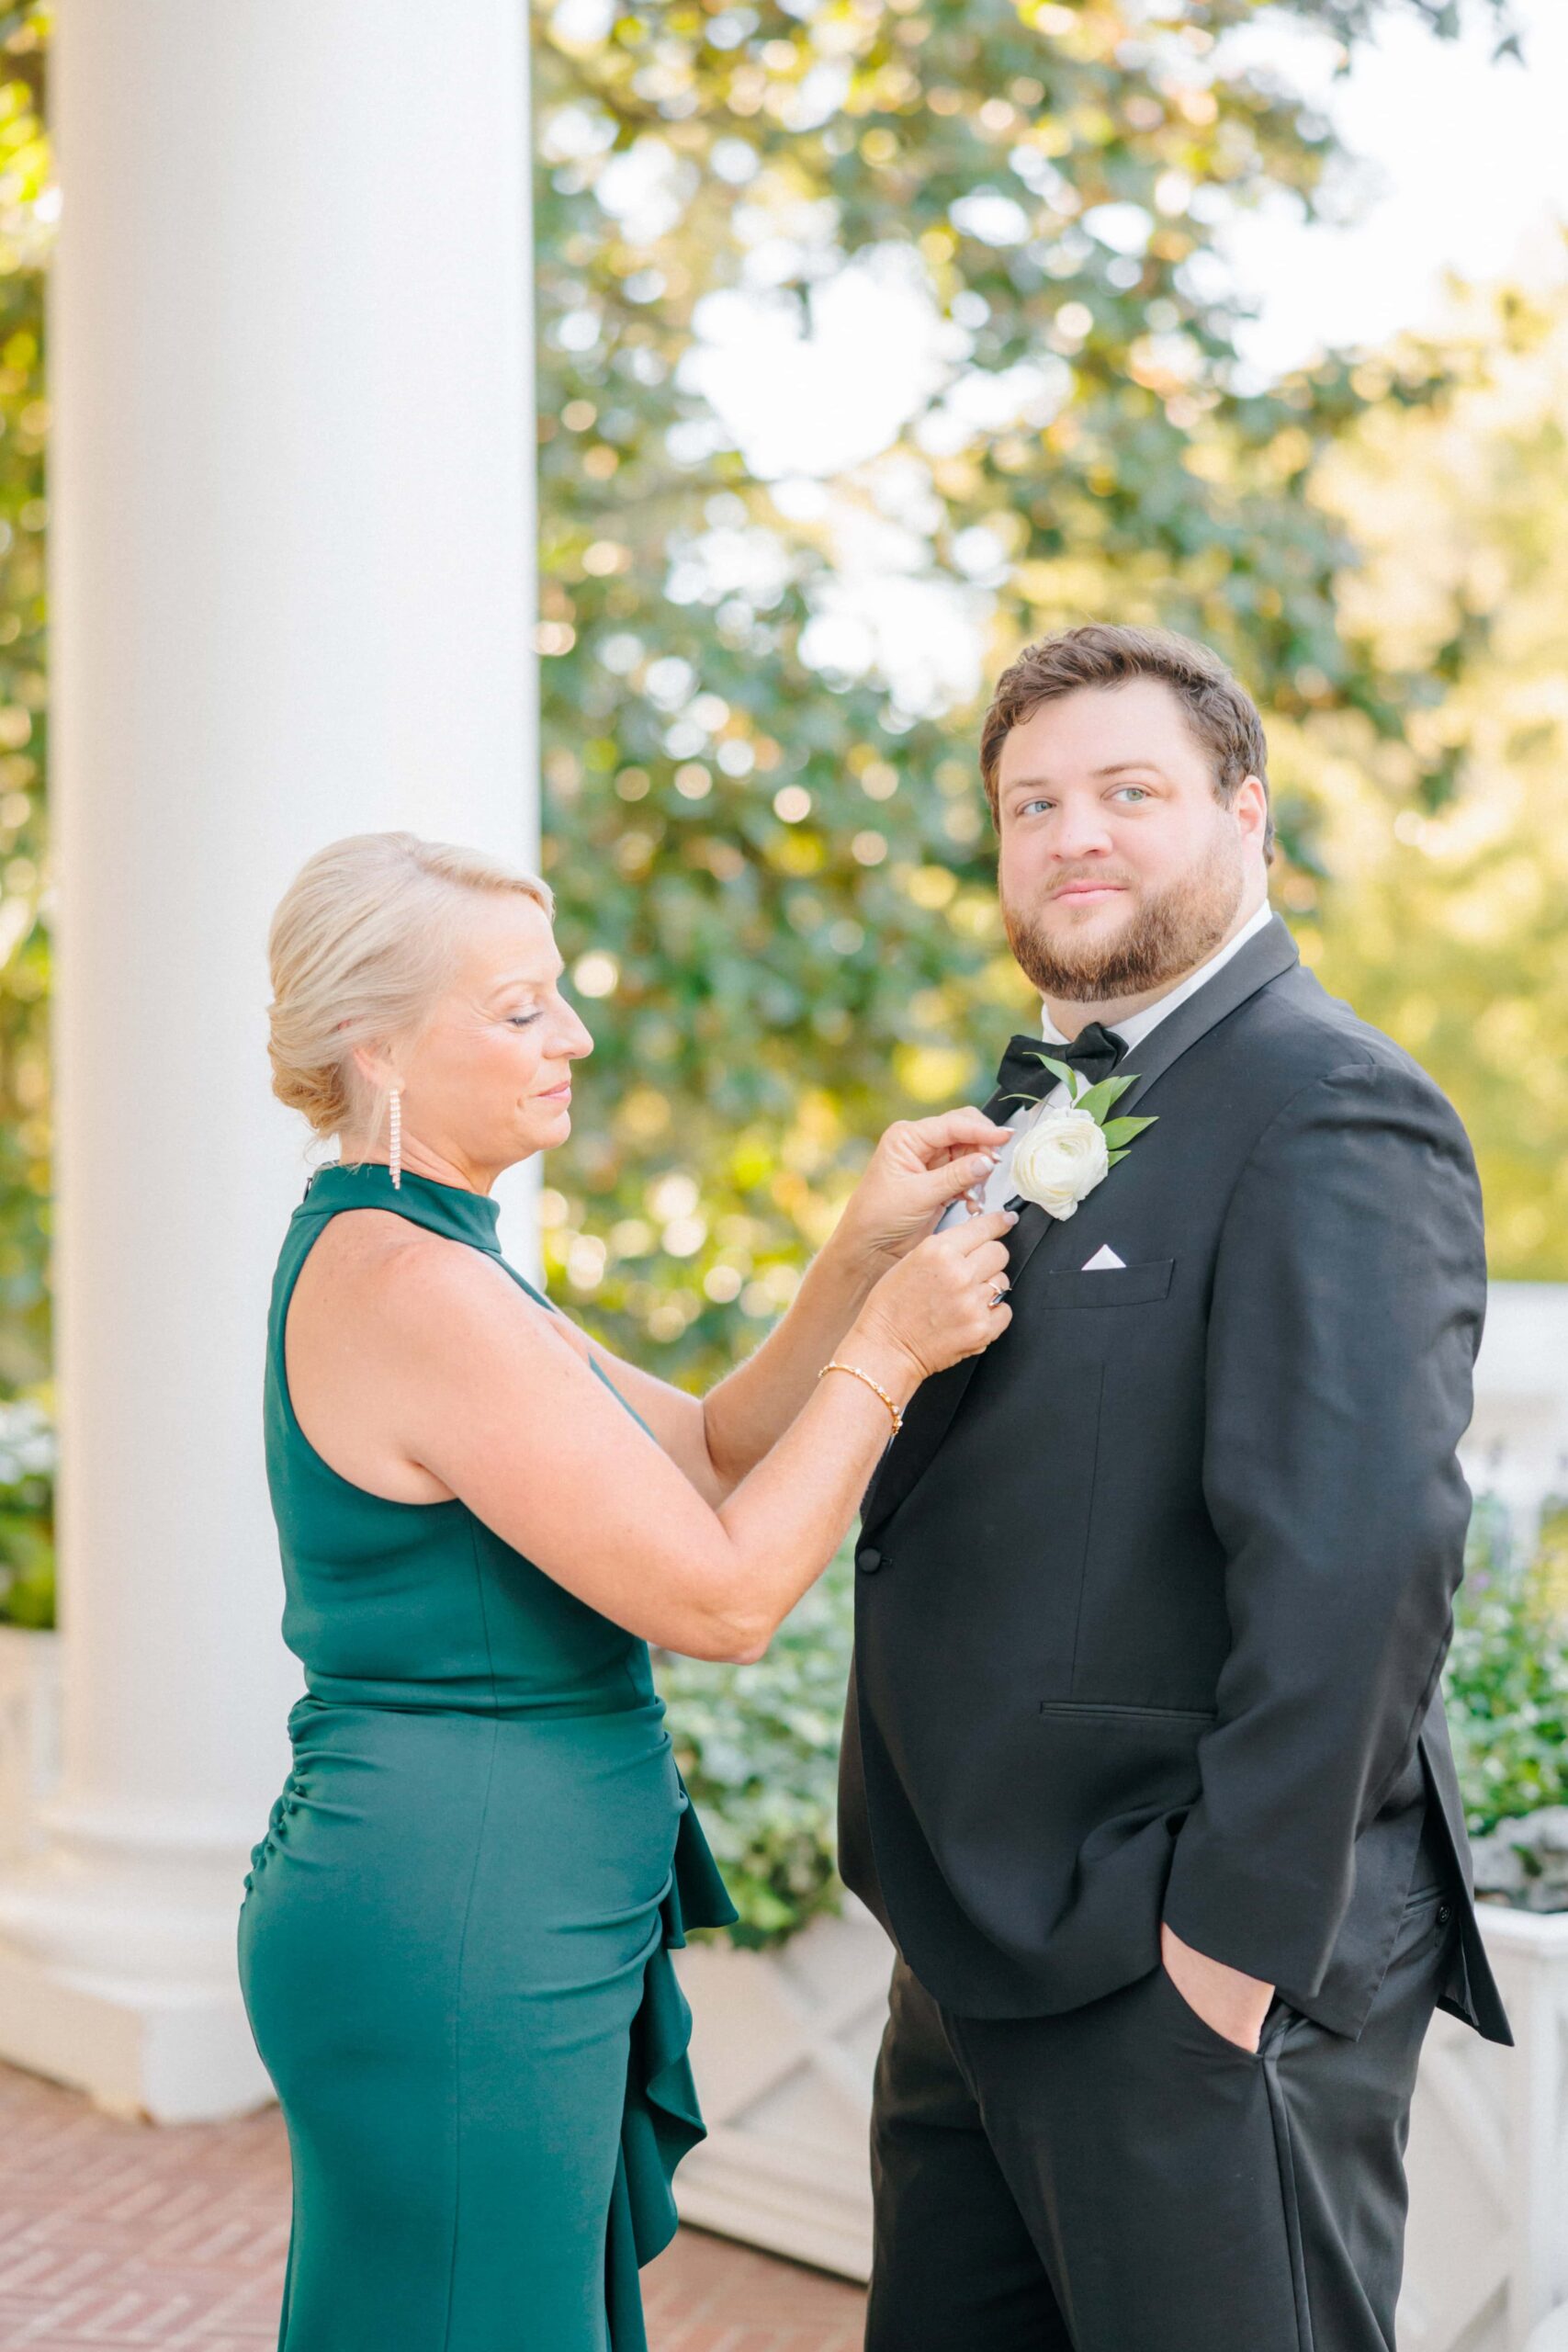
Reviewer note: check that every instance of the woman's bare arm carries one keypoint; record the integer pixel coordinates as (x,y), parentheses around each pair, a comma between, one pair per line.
(918,1168)
(472,1382)
(717,1439)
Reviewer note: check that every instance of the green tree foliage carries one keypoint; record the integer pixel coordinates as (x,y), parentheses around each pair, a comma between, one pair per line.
(24,229)
(770,847)
(1444,924)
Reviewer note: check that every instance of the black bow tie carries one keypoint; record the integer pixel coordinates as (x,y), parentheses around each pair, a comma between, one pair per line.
(1094,1054)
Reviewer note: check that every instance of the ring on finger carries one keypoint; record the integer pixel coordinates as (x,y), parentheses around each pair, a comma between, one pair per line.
(1003,1286)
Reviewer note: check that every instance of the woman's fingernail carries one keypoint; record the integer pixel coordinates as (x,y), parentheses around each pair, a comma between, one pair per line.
(1012,1216)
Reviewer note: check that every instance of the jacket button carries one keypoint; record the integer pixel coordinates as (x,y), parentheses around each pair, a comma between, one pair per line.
(1445,1913)
(869,1560)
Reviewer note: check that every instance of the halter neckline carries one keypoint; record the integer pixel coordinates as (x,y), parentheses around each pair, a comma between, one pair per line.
(472,1216)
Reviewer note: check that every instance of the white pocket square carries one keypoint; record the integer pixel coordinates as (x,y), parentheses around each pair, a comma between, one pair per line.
(1103,1256)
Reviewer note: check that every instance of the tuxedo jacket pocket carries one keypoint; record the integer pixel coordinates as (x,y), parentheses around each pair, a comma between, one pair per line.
(1119,1710)
(1110,1285)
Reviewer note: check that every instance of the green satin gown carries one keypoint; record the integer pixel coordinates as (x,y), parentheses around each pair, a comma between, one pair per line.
(455,1943)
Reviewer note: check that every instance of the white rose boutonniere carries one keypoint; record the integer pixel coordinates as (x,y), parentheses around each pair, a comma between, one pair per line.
(1061,1160)
(1074,1145)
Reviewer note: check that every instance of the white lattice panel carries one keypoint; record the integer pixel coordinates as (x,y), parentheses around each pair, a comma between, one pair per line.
(784,2044)
(1487,2254)
(29,1732)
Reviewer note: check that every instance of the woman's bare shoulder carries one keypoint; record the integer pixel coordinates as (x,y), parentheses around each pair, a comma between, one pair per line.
(388,1278)
(373,1250)
(378,1276)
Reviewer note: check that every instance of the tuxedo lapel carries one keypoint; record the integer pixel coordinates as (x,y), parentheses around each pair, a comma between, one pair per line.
(926,1415)
(936,1400)
(1271,954)
(1265,958)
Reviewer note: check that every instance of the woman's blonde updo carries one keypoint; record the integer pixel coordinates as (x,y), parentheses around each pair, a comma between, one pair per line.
(363,945)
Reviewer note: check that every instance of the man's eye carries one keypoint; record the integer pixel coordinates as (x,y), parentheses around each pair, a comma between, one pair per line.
(1130,792)
(1030,806)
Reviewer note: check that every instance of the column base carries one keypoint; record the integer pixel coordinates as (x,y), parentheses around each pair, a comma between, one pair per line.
(168,2054)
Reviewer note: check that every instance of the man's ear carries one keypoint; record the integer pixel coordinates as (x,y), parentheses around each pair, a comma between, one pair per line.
(1250,809)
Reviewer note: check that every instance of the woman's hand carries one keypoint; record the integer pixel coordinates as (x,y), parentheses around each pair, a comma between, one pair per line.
(919,1168)
(944,1299)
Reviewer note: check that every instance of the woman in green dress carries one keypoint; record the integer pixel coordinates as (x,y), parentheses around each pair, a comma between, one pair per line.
(456,1938)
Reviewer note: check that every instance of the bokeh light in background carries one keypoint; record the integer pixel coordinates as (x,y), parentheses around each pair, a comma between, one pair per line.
(879,338)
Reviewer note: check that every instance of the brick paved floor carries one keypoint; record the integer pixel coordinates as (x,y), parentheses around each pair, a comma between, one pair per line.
(117,2238)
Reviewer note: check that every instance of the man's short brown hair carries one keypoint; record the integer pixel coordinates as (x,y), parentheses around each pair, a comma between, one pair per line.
(1220,711)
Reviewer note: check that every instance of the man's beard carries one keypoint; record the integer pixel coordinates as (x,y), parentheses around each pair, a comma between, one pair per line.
(1171,933)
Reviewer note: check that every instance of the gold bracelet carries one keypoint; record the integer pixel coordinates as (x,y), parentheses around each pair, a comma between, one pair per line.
(875,1386)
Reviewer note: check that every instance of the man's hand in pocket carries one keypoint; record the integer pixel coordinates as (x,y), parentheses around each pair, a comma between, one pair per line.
(1230,2004)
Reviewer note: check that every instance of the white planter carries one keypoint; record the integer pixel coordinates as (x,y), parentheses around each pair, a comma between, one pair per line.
(30,1732)
(1487,2254)
(784,2044)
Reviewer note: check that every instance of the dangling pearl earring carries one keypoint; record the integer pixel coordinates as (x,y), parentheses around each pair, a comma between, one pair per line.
(395,1136)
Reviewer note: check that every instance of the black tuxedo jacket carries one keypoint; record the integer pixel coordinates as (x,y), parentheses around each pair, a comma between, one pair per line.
(1153,1597)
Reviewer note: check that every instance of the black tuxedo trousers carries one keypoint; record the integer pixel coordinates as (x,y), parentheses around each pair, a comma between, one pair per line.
(1153,1597)
(1120,2179)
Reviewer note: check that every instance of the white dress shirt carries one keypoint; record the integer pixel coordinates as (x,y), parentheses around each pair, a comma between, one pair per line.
(999,1187)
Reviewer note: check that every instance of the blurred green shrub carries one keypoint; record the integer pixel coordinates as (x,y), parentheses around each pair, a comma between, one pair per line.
(757,1746)
(1506,1678)
(28,1457)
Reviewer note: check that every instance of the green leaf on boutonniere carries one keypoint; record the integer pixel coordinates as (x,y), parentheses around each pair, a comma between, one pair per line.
(1119,1133)
(1097,1099)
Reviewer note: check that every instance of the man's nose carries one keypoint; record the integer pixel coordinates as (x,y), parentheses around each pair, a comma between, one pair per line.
(1080,833)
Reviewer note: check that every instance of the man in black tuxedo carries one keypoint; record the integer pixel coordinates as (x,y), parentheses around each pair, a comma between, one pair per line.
(1145,1768)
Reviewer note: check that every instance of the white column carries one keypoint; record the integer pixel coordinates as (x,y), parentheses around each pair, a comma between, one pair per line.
(292,541)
